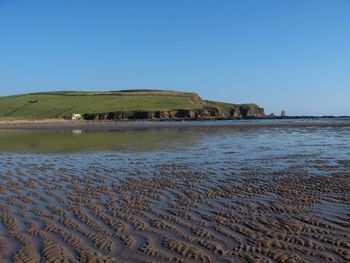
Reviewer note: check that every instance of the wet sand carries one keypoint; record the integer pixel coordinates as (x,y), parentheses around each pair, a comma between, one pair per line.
(61,124)
(279,195)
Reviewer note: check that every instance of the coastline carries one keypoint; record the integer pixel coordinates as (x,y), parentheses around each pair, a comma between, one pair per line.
(61,124)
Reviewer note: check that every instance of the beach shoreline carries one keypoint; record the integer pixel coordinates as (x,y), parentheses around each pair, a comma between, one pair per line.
(61,124)
(202,194)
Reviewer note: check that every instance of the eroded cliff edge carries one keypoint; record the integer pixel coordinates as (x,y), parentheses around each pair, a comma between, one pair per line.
(209,111)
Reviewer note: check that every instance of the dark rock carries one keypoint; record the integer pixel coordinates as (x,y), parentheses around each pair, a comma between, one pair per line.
(246,111)
(207,112)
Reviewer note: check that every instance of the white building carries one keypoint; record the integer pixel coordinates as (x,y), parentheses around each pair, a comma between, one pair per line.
(75,116)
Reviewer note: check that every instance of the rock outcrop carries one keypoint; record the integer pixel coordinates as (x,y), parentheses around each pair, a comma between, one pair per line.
(247,111)
(206,113)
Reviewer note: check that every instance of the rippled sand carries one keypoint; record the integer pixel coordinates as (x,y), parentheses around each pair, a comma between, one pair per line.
(256,198)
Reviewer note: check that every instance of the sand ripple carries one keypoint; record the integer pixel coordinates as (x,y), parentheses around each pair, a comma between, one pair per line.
(141,210)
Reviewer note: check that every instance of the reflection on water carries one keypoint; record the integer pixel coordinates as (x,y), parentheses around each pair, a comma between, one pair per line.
(244,140)
(77,131)
(78,140)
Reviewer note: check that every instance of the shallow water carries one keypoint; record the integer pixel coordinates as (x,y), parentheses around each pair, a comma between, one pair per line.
(213,194)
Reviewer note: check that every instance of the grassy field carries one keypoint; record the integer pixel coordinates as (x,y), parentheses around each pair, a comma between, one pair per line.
(58,104)
(53,105)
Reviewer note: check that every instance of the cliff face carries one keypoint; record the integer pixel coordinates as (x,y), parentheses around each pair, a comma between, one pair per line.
(206,113)
(247,111)
(211,113)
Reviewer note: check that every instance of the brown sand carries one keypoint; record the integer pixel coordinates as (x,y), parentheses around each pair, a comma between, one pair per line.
(173,214)
(61,124)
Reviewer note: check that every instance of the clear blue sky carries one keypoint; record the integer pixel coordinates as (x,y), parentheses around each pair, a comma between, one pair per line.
(290,54)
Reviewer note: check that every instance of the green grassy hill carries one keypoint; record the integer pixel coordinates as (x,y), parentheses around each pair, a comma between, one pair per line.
(51,105)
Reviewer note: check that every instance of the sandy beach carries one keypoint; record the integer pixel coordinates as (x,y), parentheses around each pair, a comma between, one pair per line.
(61,124)
(257,199)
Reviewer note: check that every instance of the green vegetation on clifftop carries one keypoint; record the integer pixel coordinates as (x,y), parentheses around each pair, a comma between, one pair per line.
(100,105)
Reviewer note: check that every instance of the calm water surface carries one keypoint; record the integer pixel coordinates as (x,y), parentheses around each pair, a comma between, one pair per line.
(210,147)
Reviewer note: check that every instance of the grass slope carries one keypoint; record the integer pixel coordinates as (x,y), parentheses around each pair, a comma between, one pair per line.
(58,104)
(52,105)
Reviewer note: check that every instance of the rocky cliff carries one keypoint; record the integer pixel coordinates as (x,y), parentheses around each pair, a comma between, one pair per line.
(206,113)
(247,111)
